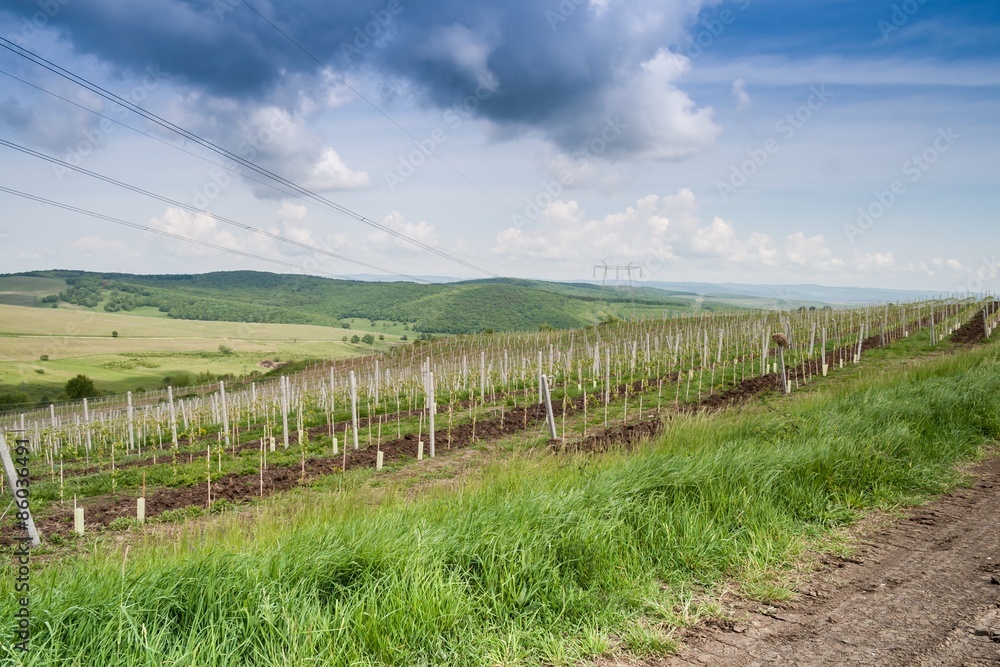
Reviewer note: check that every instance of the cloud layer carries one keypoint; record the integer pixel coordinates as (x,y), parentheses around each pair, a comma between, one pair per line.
(560,69)
(665,230)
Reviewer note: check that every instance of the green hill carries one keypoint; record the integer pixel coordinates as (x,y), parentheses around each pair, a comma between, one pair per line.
(249,296)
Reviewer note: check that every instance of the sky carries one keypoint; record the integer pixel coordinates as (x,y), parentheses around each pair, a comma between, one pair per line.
(840,142)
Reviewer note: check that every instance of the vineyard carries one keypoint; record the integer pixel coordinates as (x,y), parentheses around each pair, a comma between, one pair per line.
(175,453)
(530,499)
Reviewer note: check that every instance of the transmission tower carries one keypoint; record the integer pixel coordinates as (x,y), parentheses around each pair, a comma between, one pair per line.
(628,270)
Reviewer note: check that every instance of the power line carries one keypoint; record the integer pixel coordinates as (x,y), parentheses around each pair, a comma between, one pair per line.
(159,139)
(374,106)
(221,165)
(194,209)
(93,87)
(152,230)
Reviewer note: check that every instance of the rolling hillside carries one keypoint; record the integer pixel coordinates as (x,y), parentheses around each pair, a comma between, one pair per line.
(249,296)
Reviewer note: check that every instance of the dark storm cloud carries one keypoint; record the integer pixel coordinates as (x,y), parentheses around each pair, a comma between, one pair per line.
(555,65)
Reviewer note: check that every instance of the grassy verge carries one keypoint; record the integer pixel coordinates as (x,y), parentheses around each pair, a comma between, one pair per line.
(541,559)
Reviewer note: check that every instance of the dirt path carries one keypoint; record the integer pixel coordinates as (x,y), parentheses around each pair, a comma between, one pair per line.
(921,591)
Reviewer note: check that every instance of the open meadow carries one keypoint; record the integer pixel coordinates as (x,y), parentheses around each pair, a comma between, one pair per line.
(149,348)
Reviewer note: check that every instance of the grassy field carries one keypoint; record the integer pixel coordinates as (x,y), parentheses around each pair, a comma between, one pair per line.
(25,290)
(149,348)
(535,558)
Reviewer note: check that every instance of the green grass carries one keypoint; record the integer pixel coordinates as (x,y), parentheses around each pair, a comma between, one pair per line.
(387,327)
(150,348)
(541,559)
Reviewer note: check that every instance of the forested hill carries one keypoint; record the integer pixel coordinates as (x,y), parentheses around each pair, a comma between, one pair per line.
(460,307)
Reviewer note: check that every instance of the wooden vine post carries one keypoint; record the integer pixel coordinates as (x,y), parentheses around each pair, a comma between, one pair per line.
(13,478)
(550,417)
(431,410)
(225,411)
(285,403)
(782,342)
(173,417)
(354,408)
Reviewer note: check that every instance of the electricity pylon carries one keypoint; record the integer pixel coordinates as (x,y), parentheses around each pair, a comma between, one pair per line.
(628,270)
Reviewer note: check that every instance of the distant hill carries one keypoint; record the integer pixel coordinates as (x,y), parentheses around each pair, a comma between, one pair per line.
(503,304)
(797,293)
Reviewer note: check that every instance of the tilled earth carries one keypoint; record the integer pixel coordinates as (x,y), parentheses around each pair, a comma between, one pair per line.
(921,591)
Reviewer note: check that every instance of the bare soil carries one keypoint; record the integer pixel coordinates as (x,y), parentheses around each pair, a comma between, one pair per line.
(972,332)
(924,590)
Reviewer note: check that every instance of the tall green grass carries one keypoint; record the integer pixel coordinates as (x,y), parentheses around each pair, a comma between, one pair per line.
(546,559)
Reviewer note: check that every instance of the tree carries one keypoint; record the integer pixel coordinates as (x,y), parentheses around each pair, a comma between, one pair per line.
(80,387)
(114,334)
(14,398)
(355,339)
(368,339)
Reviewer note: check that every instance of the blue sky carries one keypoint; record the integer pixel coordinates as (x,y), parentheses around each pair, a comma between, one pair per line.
(845,143)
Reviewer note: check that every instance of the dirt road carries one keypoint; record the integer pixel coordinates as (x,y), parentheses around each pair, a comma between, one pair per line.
(923,591)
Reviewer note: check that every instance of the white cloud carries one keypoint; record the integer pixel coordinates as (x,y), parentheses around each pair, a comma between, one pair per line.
(330,173)
(205,228)
(717,239)
(741,98)
(289,211)
(458,46)
(421,231)
(811,252)
(655,229)
(569,172)
(875,262)
(942,263)
(277,139)
(663,121)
